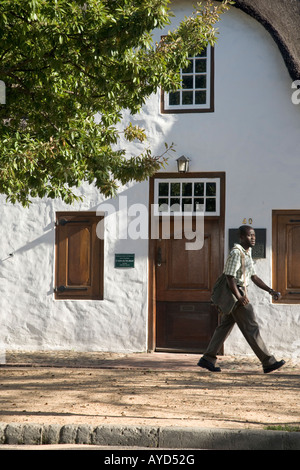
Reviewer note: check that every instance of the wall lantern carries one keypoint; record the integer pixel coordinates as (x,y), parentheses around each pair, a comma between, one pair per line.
(183,164)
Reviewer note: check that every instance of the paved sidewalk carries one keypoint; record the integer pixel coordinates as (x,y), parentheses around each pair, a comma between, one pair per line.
(137,435)
(156,361)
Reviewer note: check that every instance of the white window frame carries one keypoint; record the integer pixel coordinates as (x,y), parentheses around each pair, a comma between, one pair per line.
(180,212)
(193,107)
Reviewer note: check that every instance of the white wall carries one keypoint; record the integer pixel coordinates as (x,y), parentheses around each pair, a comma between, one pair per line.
(253,136)
(31,318)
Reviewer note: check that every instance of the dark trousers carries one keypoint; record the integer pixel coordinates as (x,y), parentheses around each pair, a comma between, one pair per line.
(244,317)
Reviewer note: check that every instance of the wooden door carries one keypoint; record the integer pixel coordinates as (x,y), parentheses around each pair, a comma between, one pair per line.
(185,319)
(286,255)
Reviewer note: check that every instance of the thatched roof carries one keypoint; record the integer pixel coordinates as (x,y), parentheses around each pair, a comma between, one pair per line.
(281,18)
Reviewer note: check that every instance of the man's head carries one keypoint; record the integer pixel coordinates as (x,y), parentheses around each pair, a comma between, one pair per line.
(247,236)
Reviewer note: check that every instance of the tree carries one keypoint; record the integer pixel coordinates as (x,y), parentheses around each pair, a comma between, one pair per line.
(62,62)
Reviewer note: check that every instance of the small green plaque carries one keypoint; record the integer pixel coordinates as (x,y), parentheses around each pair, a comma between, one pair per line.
(124,260)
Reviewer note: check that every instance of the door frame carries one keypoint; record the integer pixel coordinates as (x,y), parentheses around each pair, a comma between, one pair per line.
(152,243)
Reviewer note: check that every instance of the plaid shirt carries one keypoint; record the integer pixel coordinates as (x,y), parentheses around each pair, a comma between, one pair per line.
(233,265)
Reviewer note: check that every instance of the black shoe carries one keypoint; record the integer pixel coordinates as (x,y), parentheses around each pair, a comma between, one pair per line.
(274,366)
(208,365)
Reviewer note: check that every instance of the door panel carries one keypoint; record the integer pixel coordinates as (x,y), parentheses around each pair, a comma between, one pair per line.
(78,256)
(188,275)
(185,326)
(182,275)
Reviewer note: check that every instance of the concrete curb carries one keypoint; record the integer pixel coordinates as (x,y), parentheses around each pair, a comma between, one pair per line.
(147,436)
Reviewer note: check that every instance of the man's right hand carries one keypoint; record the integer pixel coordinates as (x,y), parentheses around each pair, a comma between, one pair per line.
(243,300)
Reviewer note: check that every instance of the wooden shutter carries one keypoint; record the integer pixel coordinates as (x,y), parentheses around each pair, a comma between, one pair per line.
(79,256)
(286,255)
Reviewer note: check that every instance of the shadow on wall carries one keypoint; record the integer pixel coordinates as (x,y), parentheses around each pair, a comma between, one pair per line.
(46,238)
(126,220)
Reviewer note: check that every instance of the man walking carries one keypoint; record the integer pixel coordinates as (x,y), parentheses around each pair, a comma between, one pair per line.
(242,313)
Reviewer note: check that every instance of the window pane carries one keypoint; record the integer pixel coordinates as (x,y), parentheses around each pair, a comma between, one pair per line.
(199,204)
(199,189)
(187,204)
(200,97)
(163,204)
(174,98)
(203,53)
(210,189)
(175,189)
(187,189)
(187,82)
(189,68)
(200,66)
(187,97)
(163,189)
(175,204)
(210,205)
(200,81)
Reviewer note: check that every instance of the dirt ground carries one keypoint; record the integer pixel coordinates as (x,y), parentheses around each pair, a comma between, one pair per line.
(145,389)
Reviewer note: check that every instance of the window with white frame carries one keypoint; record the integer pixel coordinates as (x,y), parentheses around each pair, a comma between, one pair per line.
(196,93)
(187,196)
